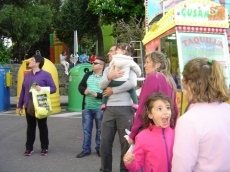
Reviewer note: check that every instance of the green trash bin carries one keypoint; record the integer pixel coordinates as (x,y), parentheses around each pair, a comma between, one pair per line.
(74,96)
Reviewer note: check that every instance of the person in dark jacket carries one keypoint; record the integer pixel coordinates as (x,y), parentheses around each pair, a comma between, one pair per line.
(92,95)
(42,79)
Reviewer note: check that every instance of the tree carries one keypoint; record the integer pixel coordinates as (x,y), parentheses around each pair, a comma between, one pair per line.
(74,16)
(18,3)
(43,43)
(132,31)
(111,11)
(5,53)
(24,25)
(126,17)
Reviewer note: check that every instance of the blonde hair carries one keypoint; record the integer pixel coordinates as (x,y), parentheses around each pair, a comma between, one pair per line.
(205,81)
(158,57)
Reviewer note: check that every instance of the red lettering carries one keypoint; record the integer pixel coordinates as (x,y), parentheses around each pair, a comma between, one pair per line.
(198,40)
(184,42)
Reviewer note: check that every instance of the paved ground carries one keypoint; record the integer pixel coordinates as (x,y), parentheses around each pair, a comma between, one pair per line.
(65,134)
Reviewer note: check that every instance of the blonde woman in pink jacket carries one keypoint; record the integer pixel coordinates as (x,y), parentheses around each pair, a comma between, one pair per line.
(202,134)
(153,145)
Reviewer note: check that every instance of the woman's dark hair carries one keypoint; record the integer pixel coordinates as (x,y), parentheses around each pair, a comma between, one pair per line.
(39,59)
(102,59)
(149,105)
(63,52)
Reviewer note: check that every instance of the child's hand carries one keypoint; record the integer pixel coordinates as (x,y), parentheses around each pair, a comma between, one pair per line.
(130,141)
(128,158)
(113,74)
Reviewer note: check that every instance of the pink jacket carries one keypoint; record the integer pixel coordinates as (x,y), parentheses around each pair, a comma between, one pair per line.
(154,82)
(153,150)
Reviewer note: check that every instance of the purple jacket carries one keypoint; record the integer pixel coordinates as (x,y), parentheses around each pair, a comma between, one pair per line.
(153,150)
(43,78)
(154,82)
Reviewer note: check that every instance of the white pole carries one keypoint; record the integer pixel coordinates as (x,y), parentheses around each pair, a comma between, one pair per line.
(75,42)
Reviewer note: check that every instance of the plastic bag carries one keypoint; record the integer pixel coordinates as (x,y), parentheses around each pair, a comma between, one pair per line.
(42,102)
(127,138)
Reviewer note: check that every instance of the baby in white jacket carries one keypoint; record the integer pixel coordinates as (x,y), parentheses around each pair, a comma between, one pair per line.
(123,61)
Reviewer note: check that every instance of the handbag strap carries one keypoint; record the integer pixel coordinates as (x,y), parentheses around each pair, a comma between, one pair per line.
(29,84)
(30,77)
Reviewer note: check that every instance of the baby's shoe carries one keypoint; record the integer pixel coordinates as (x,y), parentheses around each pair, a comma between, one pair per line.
(103,106)
(135,106)
(67,73)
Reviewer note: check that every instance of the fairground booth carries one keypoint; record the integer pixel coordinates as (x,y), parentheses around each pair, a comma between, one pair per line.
(190,29)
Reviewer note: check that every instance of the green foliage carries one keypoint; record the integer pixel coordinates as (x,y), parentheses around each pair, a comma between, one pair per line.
(111,11)
(24,25)
(18,3)
(5,53)
(43,43)
(132,31)
(74,16)
(54,4)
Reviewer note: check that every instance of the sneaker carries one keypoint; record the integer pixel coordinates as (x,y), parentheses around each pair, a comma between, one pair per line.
(103,106)
(28,152)
(82,154)
(67,73)
(135,106)
(44,152)
(98,153)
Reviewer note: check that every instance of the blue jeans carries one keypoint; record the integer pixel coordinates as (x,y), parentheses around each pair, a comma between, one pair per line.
(88,115)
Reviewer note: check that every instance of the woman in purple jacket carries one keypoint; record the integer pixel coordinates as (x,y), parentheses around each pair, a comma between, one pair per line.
(153,145)
(42,79)
(158,79)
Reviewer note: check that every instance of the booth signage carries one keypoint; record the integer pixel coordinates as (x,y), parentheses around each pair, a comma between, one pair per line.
(212,46)
(201,12)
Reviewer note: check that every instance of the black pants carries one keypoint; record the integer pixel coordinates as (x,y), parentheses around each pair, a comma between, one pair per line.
(115,119)
(31,132)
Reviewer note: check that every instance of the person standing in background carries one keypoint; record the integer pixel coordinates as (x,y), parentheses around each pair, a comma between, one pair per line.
(63,61)
(73,60)
(42,79)
(92,95)
(92,57)
(176,78)
(122,60)
(202,134)
(158,79)
(117,116)
(83,58)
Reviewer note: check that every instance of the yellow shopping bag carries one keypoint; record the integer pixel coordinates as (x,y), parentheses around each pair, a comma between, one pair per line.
(42,103)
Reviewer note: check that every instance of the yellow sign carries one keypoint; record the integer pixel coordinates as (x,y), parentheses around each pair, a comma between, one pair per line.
(201,13)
